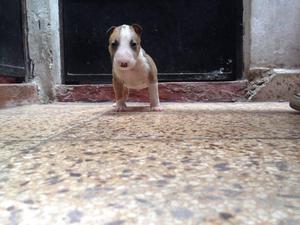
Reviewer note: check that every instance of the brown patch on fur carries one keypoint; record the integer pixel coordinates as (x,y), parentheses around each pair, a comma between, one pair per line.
(121,92)
(153,69)
(137,40)
(138,29)
(114,36)
(110,30)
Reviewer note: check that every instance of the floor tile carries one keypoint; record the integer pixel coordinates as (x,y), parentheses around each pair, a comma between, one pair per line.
(153,182)
(208,163)
(193,121)
(39,122)
(9,149)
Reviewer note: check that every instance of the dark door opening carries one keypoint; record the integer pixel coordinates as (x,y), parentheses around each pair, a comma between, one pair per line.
(190,40)
(12,56)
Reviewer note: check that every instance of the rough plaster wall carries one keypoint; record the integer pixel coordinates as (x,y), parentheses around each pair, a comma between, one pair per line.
(276,85)
(275,33)
(42,49)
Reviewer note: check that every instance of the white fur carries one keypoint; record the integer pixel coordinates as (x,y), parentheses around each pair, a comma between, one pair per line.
(124,52)
(126,33)
(136,77)
(144,59)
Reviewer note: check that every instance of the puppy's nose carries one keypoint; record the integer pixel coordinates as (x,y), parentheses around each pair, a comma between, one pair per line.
(124,64)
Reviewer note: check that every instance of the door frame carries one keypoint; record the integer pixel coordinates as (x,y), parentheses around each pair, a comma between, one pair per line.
(29,67)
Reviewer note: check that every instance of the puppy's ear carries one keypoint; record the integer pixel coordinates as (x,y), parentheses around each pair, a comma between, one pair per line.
(110,30)
(137,28)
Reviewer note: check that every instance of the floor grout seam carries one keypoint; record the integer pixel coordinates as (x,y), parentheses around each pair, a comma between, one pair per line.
(44,141)
(77,125)
(147,139)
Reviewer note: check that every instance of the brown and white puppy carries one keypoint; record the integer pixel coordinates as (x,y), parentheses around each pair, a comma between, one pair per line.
(132,67)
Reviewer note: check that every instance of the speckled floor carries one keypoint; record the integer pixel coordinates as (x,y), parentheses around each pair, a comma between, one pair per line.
(213,163)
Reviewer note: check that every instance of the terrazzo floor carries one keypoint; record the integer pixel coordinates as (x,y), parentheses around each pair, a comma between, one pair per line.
(207,163)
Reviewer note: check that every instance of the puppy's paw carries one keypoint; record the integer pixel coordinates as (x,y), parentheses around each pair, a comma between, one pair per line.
(156,108)
(120,107)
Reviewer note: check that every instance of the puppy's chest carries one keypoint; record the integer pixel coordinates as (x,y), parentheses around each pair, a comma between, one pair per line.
(138,78)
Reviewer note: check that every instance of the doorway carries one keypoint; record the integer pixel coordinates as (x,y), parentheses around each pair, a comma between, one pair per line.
(12,51)
(189,40)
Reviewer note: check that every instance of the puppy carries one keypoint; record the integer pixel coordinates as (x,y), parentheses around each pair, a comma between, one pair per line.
(132,67)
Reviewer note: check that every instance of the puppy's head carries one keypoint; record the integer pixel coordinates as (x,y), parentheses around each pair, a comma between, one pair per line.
(124,45)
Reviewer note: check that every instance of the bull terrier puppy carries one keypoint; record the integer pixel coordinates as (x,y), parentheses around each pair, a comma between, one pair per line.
(132,67)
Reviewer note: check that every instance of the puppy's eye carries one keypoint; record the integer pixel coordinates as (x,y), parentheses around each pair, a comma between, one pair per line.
(133,44)
(115,44)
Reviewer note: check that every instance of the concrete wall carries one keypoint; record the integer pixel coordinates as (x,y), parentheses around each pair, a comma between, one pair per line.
(275,33)
(274,50)
(43,44)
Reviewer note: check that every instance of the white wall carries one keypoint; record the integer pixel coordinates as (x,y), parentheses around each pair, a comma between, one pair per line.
(275,33)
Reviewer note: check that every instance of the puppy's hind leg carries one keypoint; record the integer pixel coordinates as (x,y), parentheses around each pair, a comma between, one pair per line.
(154,97)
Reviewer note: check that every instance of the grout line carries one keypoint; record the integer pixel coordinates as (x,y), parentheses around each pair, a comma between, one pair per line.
(176,139)
(44,141)
(94,116)
(148,139)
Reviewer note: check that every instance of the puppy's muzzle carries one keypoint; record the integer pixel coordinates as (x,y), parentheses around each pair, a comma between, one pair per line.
(123,64)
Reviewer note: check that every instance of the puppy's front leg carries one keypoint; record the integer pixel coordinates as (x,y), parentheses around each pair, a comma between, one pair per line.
(154,97)
(121,93)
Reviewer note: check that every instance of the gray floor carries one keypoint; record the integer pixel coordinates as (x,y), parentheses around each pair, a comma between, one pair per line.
(207,163)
